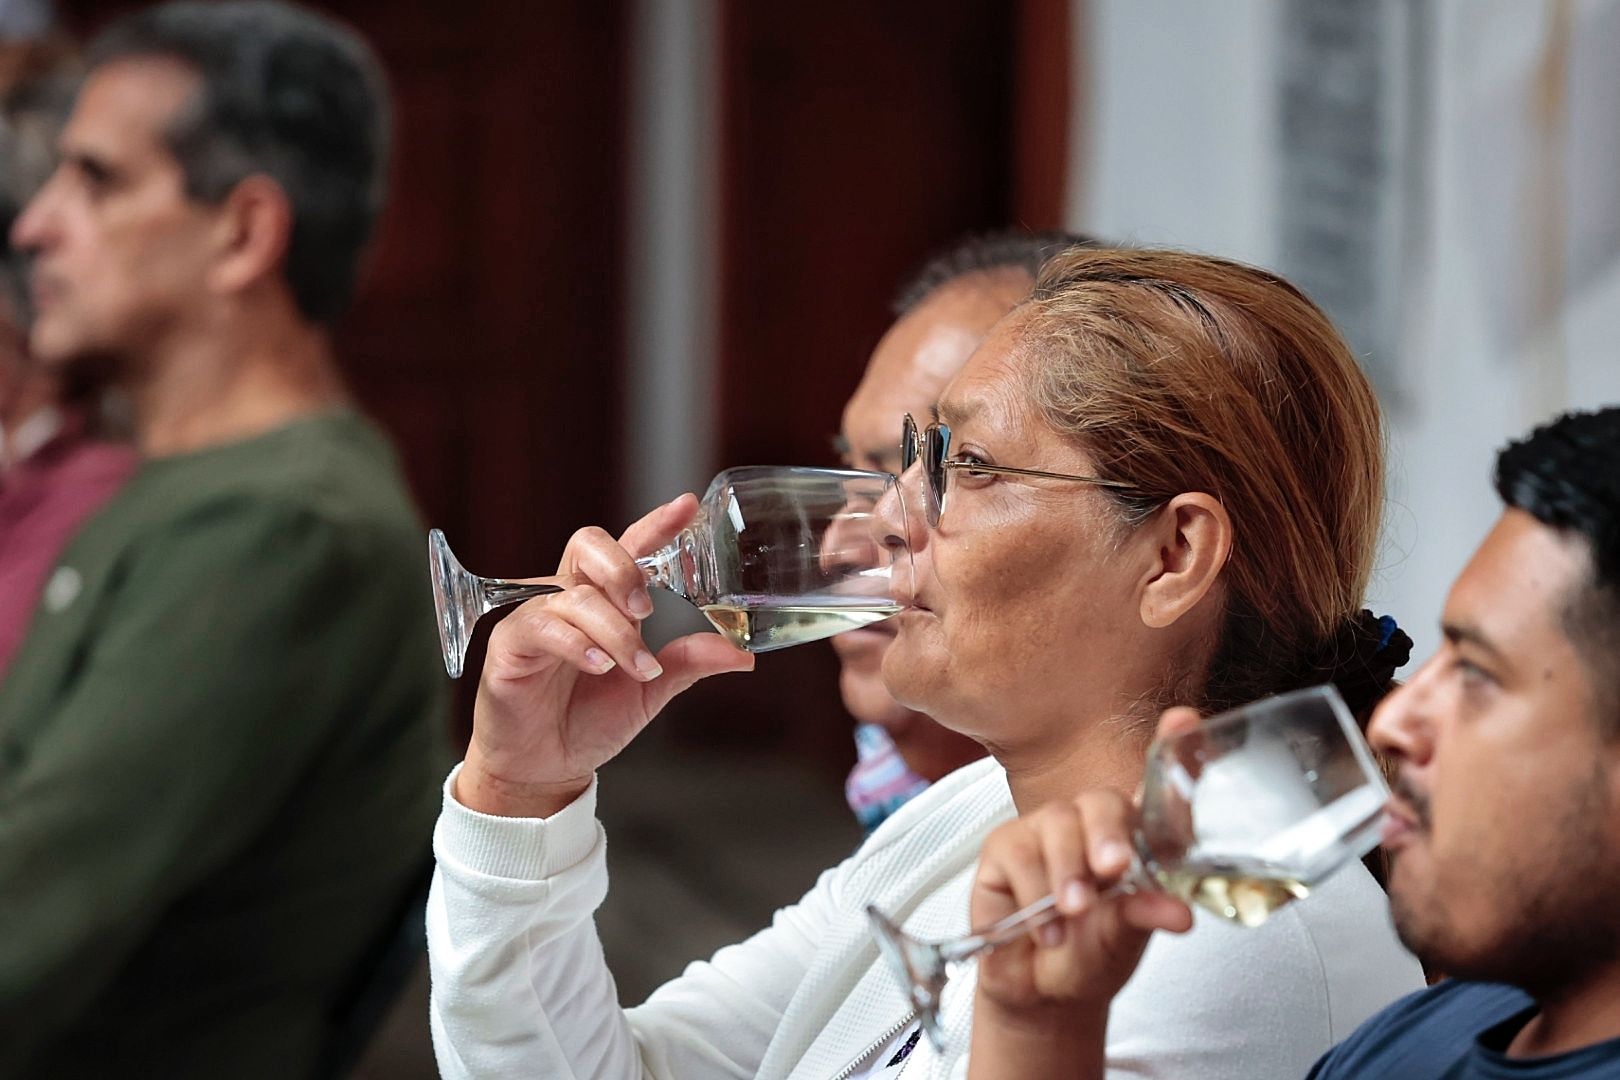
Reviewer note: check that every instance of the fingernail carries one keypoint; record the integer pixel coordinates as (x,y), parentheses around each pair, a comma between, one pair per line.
(640,604)
(1113,853)
(1073,897)
(647,665)
(598,661)
(1052,933)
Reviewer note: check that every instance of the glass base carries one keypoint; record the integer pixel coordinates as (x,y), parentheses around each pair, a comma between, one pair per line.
(457,599)
(920,968)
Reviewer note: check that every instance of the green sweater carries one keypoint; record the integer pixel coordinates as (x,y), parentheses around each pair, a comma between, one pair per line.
(220,755)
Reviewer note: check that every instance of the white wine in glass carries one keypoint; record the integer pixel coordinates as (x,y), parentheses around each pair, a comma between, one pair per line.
(762,623)
(1240,815)
(777,556)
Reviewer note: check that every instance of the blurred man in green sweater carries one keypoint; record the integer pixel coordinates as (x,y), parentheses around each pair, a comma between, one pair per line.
(241,640)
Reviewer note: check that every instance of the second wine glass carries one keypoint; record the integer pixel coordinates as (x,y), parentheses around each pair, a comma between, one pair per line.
(1240,815)
(777,556)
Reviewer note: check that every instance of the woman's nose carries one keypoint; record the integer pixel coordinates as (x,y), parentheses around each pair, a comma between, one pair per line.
(899,526)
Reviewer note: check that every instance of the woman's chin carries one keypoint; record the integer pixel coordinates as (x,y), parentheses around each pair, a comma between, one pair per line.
(911,680)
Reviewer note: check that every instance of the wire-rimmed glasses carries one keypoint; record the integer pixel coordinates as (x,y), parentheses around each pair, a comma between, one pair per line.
(932,445)
(776,556)
(1240,815)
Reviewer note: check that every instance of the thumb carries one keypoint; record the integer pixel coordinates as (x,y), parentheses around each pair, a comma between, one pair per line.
(688,659)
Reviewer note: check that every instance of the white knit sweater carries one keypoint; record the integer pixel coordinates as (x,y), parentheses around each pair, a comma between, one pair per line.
(520,988)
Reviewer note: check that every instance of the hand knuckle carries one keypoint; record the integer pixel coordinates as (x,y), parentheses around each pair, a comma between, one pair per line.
(530,621)
(580,598)
(559,634)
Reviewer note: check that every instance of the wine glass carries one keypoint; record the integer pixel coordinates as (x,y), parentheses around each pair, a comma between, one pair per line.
(777,556)
(1240,815)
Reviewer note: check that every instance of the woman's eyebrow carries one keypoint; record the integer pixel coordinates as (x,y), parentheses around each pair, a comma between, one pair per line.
(952,414)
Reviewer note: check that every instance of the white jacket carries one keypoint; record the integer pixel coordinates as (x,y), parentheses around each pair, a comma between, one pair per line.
(520,988)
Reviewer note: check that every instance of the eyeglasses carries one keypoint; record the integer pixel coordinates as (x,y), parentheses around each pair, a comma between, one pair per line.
(932,445)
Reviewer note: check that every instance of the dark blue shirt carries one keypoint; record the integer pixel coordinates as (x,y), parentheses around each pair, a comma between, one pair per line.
(1457,1031)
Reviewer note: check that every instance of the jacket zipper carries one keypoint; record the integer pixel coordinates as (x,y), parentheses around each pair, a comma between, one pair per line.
(849,1069)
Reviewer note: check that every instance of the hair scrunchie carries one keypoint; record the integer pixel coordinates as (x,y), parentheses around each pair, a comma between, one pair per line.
(1361,659)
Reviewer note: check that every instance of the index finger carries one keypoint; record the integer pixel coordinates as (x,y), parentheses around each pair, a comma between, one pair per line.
(1107,818)
(657,529)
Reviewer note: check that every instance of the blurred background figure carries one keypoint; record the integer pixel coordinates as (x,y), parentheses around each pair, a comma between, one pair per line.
(55,469)
(241,640)
(942,313)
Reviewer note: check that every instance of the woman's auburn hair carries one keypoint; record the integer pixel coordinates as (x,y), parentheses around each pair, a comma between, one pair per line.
(1179,372)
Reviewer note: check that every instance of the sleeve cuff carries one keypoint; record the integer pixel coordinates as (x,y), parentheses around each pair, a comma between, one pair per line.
(525,849)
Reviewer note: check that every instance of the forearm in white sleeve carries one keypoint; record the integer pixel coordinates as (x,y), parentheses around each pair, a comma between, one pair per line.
(520,987)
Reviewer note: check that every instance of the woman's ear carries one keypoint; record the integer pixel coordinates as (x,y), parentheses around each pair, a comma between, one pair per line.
(1193,534)
(255,229)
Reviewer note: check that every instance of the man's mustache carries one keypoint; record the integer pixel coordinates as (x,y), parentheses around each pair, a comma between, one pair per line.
(1414,798)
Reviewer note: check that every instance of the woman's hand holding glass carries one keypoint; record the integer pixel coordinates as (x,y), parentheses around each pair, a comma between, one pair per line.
(540,730)
(773,556)
(1048,983)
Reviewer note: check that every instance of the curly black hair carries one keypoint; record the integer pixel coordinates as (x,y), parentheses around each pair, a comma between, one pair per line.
(1566,475)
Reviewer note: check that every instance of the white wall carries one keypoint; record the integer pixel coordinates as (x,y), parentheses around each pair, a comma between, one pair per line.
(1511,294)
(1172,94)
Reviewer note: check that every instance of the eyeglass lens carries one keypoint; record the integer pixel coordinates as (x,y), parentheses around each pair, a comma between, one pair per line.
(931,444)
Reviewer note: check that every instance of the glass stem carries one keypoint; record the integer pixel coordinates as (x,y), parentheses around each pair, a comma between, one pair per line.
(662,568)
(497,592)
(1033,917)
(667,569)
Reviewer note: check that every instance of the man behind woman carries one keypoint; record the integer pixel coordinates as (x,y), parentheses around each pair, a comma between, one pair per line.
(1202,530)
(942,313)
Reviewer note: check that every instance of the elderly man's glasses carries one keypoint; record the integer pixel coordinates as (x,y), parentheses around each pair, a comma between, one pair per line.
(932,445)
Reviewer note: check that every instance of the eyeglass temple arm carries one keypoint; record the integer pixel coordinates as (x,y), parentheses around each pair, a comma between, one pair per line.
(1008,470)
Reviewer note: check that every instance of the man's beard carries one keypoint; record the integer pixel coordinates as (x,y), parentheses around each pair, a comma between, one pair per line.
(1558,909)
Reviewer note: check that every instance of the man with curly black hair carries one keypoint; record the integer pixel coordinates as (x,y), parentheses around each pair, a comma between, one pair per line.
(1505,839)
